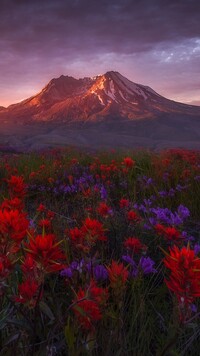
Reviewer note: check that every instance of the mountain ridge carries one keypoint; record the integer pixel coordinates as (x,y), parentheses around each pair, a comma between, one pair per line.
(105,111)
(68,99)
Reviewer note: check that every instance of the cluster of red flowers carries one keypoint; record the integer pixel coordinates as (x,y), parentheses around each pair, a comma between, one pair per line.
(184,279)
(43,254)
(88,305)
(124,203)
(134,245)
(128,162)
(170,233)
(118,275)
(133,216)
(87,236)
(104,210)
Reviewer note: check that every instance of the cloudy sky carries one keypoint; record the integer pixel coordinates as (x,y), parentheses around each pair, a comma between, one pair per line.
(152,42)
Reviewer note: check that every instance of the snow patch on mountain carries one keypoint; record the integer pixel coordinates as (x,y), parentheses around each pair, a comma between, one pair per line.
(122,95)
(99,97)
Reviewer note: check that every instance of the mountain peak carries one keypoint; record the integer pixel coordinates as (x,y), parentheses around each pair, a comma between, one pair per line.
(90,99)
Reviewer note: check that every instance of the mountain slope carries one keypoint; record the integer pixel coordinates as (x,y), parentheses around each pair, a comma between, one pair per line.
(67,99)
(104,111)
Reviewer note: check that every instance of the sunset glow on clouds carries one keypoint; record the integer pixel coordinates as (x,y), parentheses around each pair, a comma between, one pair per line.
(156,43)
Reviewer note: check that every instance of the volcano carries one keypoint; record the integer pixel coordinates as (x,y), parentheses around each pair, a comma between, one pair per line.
(110,107)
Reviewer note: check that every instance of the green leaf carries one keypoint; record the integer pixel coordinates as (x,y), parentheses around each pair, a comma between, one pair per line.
(70,335)
(47,311)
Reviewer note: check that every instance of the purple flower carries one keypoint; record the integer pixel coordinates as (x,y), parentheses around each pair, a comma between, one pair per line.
(193,308)
(162,193)
(74,266)
(171,192)
(103,193)
(67,272)
(100,273)
(183,212)
(129,260)
(146,264)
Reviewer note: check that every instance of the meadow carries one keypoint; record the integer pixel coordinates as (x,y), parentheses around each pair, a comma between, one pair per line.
(100,253)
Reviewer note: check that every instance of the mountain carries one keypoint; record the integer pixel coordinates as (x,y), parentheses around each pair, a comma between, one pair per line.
(103,111)
(72,100)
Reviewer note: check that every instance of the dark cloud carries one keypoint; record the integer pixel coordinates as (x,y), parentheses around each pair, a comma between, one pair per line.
(40,38)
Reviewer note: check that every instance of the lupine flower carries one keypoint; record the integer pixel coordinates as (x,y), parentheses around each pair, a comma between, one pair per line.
(103,193)
(100,273)
(74,266)
(183,212)
(145,265)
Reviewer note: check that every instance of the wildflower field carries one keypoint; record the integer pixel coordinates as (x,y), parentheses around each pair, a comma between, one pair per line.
(100,253)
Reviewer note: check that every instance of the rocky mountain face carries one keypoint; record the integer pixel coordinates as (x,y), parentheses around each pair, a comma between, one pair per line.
(67,99)
(106,111)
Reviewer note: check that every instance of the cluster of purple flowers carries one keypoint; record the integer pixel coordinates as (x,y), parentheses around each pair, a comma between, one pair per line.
(145,265)
(166,216)
(97,271)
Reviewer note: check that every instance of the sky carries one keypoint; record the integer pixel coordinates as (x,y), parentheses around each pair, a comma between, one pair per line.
(151,42)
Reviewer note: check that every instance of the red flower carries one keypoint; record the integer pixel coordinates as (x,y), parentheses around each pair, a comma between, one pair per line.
(12,204)
(184,280)
(124,203)
(41,208)
(93,230)
(27,293)
(99,294)
(29,266)
(103,209)
(133,216)
(128,162)
(87,236)
(76,237)
(134,244)
(46,253)
(13,225)
(17,187)
(170,233)
(88,304)
(118,275)
(50,214)
(45,223)
(86,311)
